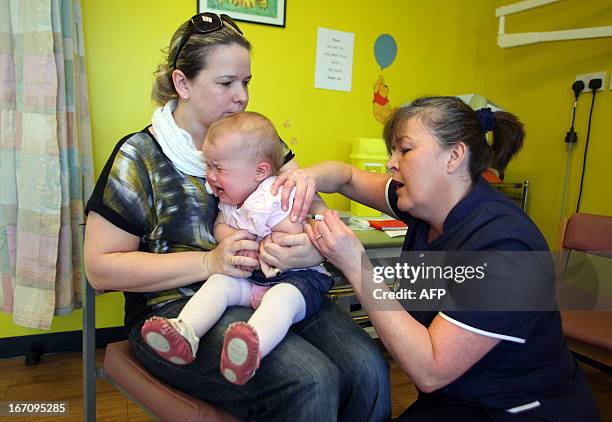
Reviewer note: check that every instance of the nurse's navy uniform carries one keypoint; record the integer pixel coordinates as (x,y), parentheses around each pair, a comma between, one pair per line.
(530,373)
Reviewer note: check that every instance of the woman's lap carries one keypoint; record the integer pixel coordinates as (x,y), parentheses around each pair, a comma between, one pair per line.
(294,369)
(364,371)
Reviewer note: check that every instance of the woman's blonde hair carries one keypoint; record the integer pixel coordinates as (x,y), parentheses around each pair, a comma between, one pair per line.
(193,57)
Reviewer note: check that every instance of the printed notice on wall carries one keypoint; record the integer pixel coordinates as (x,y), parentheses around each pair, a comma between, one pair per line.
(334,68)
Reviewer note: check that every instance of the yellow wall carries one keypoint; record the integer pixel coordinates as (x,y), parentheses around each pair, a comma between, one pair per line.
(109,313)
(535,83)
(122,48)
(444,47)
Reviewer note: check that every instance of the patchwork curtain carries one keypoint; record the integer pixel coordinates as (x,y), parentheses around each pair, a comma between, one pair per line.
(46,169)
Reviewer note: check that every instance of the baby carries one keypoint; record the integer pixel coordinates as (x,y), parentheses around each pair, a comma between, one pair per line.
(243,154)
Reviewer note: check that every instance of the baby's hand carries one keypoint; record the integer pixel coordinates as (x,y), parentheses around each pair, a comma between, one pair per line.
(250,254)
(268,271)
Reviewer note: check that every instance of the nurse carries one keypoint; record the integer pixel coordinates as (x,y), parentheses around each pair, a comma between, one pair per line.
(467,365)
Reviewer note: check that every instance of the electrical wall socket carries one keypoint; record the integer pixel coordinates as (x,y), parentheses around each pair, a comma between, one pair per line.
(586,77)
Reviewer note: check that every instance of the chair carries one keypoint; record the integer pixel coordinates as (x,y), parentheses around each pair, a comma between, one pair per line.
(124,372)
(588,333)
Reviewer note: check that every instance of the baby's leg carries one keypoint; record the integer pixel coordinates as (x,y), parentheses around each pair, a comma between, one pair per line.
(177,339)
(246,343)
(282,306)
(205,307)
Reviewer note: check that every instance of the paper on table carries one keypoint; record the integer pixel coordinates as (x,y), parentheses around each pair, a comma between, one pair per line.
(396,233)
(356,224)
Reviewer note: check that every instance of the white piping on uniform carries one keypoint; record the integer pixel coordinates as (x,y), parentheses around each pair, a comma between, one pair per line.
(387,198)
(481,332)
(528,406)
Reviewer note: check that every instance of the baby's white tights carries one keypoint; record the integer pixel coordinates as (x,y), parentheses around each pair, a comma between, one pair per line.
(282,306)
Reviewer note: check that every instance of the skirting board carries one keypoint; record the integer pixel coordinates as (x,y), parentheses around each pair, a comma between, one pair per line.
(68,341)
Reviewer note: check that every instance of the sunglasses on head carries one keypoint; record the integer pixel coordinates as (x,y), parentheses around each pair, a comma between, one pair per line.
(203,23)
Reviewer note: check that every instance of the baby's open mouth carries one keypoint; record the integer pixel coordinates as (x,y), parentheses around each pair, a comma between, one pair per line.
(217,189)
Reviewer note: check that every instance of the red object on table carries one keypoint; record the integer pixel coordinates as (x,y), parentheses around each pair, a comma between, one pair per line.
(388,224)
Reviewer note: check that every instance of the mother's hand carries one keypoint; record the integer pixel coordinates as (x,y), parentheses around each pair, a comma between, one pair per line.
(337,243)
(305,191)
(289,251)
(230,257)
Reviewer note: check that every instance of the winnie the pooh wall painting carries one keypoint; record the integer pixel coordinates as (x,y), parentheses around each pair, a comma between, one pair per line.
(269,12)
(385,50)
(380,102)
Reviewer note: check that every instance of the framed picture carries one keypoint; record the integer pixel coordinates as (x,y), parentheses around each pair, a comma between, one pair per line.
(269,12)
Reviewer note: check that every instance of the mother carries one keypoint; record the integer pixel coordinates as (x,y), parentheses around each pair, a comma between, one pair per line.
(149,228)
(467,365)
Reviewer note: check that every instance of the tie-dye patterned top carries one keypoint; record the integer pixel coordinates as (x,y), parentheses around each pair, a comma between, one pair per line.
(140,191)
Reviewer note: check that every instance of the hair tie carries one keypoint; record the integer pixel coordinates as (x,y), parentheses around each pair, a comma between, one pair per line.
(487,119)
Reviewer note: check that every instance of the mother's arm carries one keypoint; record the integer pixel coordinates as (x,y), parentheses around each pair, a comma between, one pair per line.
(432,356)
(113,261)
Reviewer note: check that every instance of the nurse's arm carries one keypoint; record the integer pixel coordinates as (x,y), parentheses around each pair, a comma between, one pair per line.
(432,357)
(337,177)
(311,203)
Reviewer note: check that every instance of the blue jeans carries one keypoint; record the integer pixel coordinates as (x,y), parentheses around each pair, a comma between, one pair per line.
(326,369)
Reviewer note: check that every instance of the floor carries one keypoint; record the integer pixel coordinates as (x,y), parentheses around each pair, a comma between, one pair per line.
(59,377)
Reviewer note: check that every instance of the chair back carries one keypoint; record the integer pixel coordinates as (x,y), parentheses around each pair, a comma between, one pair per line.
(588,332)
(589,233)
(122,370)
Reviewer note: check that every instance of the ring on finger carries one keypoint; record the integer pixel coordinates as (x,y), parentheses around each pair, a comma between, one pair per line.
(233,260)
(318,236)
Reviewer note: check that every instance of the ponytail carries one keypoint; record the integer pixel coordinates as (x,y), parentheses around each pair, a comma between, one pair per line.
(450,120)
(508,138)
(163,87)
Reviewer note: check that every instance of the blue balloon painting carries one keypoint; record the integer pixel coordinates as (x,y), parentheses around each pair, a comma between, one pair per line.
(385,50)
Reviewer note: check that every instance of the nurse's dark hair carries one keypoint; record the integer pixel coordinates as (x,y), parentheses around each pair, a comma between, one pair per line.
(192,59)
(450,120)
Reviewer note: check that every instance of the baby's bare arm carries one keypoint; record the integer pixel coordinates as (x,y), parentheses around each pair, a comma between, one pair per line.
(222,230)
(285,227)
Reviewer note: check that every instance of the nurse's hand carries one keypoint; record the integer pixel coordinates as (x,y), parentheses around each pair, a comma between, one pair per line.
(289,251)
(305,191)
(338,244)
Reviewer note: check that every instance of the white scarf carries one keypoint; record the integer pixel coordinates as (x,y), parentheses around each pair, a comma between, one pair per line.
(177,143)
